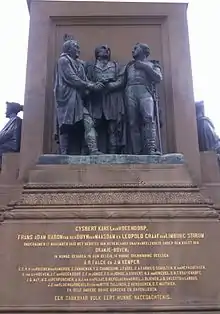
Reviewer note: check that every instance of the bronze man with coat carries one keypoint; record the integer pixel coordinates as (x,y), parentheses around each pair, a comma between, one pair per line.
(71,86)
(107,104)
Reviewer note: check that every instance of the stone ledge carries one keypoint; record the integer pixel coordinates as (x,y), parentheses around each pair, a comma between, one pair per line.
(111,159)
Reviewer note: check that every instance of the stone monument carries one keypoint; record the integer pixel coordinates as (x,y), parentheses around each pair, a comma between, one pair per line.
(115,220)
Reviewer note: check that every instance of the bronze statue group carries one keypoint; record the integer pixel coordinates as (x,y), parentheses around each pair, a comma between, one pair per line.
(103,107)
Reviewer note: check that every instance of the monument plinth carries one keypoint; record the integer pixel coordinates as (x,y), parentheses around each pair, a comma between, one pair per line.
(110,237)
(120,232)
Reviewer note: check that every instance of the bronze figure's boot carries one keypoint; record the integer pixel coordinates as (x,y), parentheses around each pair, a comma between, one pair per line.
(112,149)
(149,138)
(64,139)
(90,135)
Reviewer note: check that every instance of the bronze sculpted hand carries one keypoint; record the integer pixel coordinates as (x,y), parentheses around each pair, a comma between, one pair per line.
(140,64)
(105,81)
(95,86)
(98,86)
(110,86)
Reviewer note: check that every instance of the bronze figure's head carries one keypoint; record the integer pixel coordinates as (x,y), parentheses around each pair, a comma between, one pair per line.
(72,48)
(12,108)
(103,52)
(140,51)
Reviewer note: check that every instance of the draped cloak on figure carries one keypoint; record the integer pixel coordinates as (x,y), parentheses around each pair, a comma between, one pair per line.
(10,136)
(70,86)
(208,139)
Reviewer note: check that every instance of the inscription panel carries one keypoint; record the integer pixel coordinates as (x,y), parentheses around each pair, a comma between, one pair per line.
(114,264)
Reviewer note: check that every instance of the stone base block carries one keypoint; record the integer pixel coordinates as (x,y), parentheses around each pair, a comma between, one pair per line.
(120,237)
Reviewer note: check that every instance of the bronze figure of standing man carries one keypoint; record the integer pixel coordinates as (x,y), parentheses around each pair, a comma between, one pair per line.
(70,88)
(107,104)
(140,74)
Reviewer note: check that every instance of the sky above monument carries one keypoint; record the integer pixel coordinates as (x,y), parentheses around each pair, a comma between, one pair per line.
(203,20)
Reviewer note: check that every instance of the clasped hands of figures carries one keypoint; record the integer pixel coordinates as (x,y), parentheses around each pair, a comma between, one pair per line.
(104,86)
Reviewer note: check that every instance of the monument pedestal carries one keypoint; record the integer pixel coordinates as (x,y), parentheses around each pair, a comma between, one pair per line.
(119,237)
(109,233)
(10,187)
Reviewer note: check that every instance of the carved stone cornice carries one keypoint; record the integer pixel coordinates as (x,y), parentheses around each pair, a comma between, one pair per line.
(110,192)
(39,202)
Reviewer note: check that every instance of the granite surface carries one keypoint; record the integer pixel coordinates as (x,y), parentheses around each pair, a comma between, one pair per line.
(111,159)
